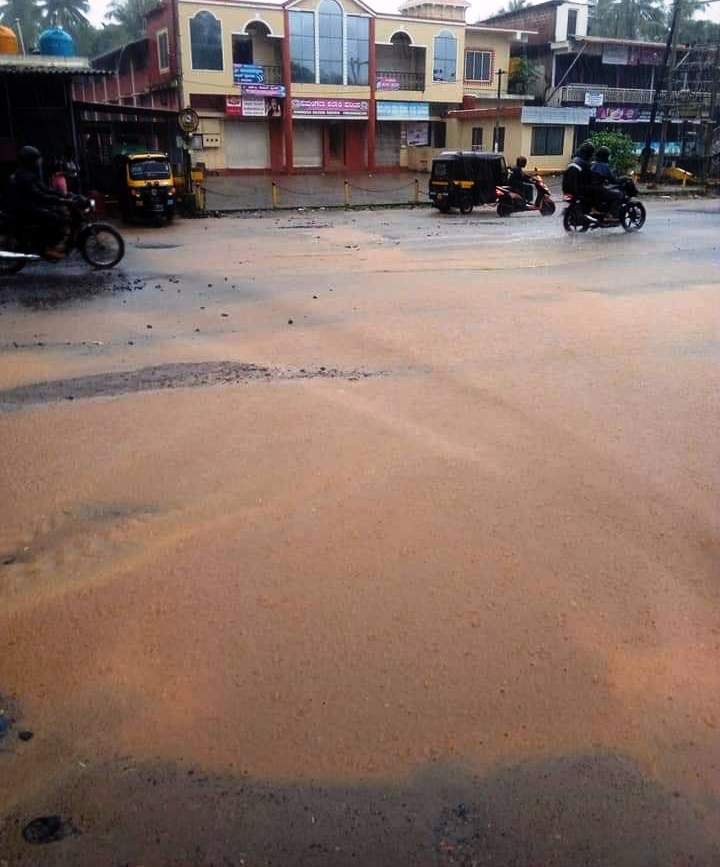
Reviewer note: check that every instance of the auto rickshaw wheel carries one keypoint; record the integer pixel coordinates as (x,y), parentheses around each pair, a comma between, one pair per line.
(466,204)
(444,207)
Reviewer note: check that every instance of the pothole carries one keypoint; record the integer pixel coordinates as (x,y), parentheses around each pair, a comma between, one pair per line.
(163,376)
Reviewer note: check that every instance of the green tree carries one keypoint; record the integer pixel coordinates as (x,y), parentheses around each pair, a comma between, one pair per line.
(630,19)
(130,15)
(71,15)
(622,150)
(513,6)
(27,13)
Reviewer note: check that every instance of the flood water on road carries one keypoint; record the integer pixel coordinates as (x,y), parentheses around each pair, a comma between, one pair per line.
(440,589)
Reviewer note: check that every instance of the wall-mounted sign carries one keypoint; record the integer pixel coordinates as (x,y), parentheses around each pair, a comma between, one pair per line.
(615,55)
(277,90)
(333,108)
(417,135)
(387,83)
(248,73)
(253,106)
(594,100)
(645,55)
(387,110)
(617,115)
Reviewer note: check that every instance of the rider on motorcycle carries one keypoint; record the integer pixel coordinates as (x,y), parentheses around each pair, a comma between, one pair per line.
(31,201)
(605,183)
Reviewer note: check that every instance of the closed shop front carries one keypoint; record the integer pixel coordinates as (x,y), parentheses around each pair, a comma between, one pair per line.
(387,143)
(308,144)
(247,144)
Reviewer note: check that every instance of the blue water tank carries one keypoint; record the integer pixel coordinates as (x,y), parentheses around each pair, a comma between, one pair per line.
(56,42)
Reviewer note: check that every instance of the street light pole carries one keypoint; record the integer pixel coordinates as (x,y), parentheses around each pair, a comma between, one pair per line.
(496,130)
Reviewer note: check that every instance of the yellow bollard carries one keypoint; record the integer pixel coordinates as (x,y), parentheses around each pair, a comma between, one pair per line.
(417,191)
(347,193)
(275,195)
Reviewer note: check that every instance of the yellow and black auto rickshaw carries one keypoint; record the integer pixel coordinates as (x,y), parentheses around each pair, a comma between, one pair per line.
(146,188)
(463,179)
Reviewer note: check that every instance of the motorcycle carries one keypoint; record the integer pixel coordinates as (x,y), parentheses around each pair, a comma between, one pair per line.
(510,202)
(100,244)
(581,215)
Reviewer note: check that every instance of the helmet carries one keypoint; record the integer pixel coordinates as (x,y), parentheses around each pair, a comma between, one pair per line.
(586,150)
(602,155)
(28,157)
(521,162)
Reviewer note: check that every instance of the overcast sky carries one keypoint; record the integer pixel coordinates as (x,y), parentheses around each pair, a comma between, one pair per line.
(479,9)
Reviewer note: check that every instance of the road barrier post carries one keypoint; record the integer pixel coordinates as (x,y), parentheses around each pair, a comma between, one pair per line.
(347,193)
(275,195)
(417,191)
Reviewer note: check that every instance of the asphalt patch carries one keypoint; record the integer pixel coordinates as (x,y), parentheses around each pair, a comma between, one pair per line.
(163,376)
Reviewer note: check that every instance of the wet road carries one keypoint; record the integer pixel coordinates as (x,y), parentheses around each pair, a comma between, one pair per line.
(378,538)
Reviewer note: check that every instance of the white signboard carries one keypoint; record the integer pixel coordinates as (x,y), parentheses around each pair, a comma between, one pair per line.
(417,134)
(615,55)
(253,107)
(594,100)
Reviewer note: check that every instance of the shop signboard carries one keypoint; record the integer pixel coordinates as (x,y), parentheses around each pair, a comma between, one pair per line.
(233,105)
(253,106)
(387,83)
(276,90)
(645,55)
(417,134)
(387,110)
(248,73)
(615,55)
(618,114)
(330,108)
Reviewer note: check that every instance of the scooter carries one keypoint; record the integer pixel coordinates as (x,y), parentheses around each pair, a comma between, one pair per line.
(510,202)
(100,244)
(580,216)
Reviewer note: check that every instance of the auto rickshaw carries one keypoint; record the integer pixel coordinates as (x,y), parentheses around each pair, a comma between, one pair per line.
(146,188)
(463,179)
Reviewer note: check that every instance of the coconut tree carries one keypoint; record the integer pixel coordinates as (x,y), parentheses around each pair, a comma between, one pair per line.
(27,13)
(130,15)
(630,19)
(68,14)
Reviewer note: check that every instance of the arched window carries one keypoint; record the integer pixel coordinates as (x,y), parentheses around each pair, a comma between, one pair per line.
(206,41)
(401,39)
(330,29)
(445,58)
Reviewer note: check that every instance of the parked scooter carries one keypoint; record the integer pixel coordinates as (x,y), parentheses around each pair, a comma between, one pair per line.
(510,202)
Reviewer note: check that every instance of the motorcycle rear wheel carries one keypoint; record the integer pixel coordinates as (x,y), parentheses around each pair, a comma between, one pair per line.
(547,208)
(504,209)
(8,267)
(632,216)
(101,246)
(575,221)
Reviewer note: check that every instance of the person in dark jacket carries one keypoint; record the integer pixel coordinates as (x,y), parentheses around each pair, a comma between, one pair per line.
(577,180)
(520,182)
(605,182)
(31,201)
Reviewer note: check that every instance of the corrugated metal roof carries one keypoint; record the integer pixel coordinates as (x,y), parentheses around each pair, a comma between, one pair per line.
(548,114)
(33,63)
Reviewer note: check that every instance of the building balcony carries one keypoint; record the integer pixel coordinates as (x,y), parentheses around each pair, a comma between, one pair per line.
(394,79)
(575,94)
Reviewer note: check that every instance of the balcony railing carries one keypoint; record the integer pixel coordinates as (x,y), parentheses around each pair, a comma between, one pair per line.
(575,93)
(393,79)
(272,74)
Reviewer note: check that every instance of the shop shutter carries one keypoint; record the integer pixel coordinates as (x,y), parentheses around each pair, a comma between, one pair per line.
(307,144)
(247,144)
(387,144)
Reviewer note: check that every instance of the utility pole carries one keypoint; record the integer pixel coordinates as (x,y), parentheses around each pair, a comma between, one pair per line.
(21,41)
(661,79)
(669,87)
(710,126)
(496,130)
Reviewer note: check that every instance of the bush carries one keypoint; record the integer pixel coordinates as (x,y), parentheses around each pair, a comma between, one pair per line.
(622,150)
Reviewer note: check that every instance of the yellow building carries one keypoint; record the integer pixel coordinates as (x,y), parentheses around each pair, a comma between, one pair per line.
(332,85)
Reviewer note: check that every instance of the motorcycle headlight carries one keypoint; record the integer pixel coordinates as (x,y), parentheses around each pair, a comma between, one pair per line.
(92,203)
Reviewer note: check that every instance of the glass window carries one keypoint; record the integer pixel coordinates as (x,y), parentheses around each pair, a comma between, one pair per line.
(548,141)
(358,31)
(477,138)
(499,142)
(445,60)
(242,49)
(330,27)
(572,22)
(149,170)
(163,50)
(478,66)
(302,47)
(206,41)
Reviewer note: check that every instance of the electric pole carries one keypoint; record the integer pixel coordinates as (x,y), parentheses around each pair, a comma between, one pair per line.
(496,130)
(669,87)
(710,126)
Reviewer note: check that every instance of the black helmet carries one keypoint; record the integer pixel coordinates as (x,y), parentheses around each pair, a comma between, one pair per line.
(602,154)
(586,150)
(521,162)
(29,157)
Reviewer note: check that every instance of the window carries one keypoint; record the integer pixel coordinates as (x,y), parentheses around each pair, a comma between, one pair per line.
(242,49)
(499,143)
(439,133)
(163,50)
(478,66)
(358,32)
(548,141)
(206,41)
(572,22)
(445,60)
(477,138)
(302,47)
(330,29)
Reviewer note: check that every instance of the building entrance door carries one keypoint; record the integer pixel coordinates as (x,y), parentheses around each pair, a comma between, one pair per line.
(335,145)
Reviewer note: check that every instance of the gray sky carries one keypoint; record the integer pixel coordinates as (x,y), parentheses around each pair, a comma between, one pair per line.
(479,9)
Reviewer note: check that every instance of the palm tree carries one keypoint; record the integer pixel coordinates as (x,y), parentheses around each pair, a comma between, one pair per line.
(24,11)
(68,14)
(513,6)
(130,15)
(630,19)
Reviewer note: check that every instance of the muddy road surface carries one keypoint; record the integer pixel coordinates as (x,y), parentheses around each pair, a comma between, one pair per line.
(378,538)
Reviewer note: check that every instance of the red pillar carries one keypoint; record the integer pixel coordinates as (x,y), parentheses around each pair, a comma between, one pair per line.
(287,114)
(372,73)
